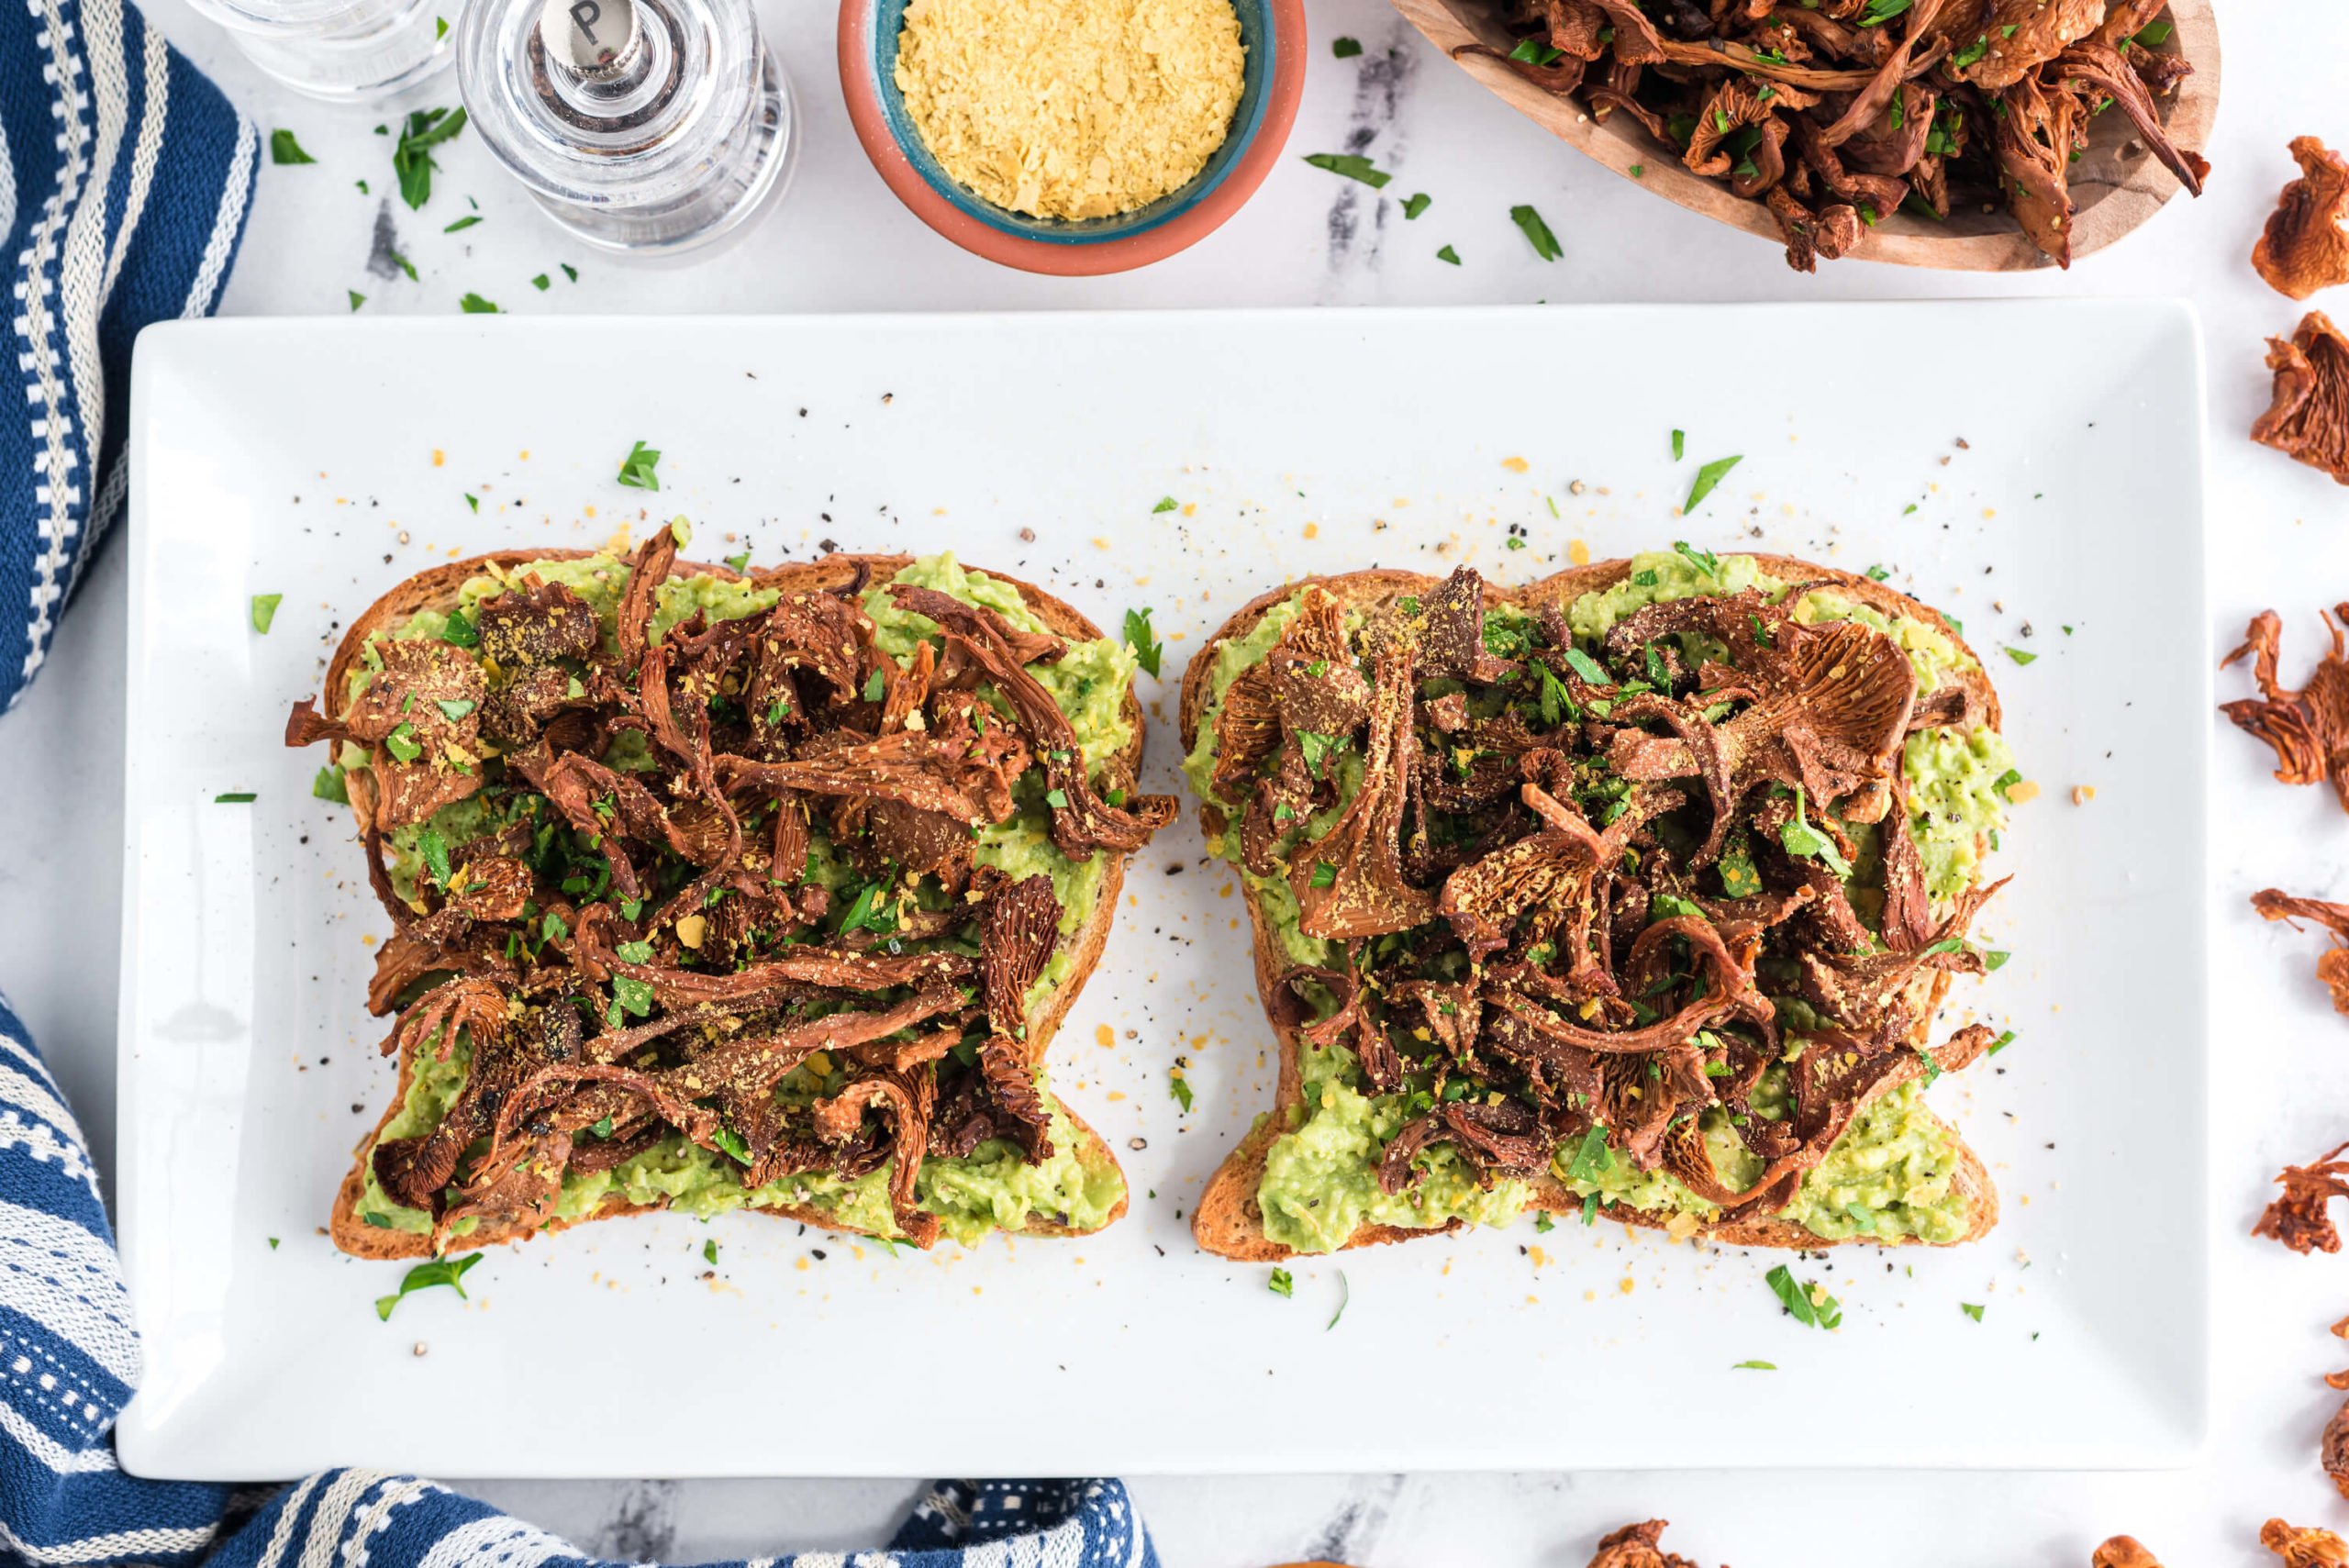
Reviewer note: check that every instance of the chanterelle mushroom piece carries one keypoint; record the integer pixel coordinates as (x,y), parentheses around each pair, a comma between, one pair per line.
(2123,1551)
(2304,1548)
(2309,418)
(1634,1546)
(2275,904)
(2303,249)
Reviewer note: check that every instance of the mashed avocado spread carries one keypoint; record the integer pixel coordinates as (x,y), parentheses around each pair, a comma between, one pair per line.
(989,1189)
(1889,1176)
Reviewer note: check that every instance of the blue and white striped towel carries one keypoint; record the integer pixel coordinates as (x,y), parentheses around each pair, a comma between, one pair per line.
(123,182)
(125,178)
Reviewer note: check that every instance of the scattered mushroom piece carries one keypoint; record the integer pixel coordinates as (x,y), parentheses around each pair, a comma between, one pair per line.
(2309,418)
(2308,728)
(2303,249)
(2274,904)
(2304,1548)
(2123,1551)
(2299,1219)
(1634,1546)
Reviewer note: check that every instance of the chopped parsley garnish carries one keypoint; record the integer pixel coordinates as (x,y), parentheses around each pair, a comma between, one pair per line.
(412,156)
(1882,11)
(461,633)
(1324,873)
(1533,52)
(635,469)
(636,996)
(2000,1043)
(1590,1208)
(328,785)
(1754,1366)
(1148,649)
(1345,49)
(2020,656)
(1179,1090)
(635,952)
(552,928)
(402,744)
(1592,1157)
(1557,703)
(1680,445)
(1317,748)
(265,610)
(1707,477)
(1544,243)
(1281,1283)
(1416,206)
(1970,53)
(1165,503)
(1704,560)
(473,304)
(357,299)
(453,708)
(709,1254)
(450,1271)
(463,223)
(1877,574)
(283,149)
(1353,166)
(1583,664)
(542,282)
(435,850)
(1801,838)
(1057,799)
(1542,1223)
(730,1143)
(2006,782)
(1972,1309)
(1996,958)
(569,271)
(235,797)
(738,562)
(1448,254)
(876,685)
(1808,1303)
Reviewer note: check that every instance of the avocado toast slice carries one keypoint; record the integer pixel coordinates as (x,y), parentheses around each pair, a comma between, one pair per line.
(752,880)
(1514,959)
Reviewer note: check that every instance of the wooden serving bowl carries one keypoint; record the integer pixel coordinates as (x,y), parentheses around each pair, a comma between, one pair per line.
(2116,185)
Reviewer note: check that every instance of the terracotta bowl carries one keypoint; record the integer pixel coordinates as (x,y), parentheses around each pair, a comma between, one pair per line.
(1274,34)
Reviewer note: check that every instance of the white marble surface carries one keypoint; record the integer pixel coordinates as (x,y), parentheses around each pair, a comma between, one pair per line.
(842,242)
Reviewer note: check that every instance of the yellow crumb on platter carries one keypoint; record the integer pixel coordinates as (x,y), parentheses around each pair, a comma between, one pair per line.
(1071,109)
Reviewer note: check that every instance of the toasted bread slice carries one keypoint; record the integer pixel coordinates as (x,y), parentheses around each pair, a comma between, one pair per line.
(1226,1220)
(437,589)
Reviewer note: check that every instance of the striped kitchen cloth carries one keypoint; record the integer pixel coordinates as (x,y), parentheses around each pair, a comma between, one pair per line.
(125,178)
(69,1360)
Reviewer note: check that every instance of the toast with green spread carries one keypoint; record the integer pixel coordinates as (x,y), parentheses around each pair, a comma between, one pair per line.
(717,888)
(1633,892)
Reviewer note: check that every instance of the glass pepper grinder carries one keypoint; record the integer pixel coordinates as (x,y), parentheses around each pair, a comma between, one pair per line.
(643,127)
(341,50)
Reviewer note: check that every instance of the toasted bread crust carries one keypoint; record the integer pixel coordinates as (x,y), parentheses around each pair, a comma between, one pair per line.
(1226,1220)
(436,588)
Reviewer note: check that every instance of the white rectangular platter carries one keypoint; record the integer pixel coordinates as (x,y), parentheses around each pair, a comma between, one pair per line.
(2058,513)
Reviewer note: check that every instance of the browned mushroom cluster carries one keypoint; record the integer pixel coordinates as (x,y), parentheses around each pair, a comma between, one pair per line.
(1836,112)
(636,945)
(1571,898)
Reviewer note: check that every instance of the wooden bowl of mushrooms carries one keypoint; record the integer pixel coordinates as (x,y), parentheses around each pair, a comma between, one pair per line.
(1974,135)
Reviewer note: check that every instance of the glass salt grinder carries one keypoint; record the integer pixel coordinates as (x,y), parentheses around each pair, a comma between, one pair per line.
(643,127)
(342,50)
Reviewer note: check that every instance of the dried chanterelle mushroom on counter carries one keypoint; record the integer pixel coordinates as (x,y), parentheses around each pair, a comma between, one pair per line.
(2309,418)
(2299,1219)
(2303,247)
(2123,1551)
(2307,727)
(2332,968)
(2304,1548)
(1634,1546)
(1833,113)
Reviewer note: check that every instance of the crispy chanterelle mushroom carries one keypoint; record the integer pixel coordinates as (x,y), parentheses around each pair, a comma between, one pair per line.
(1634,1546)
(636,945)
(1837,112)
(2308,420)
(2303,247)
(2304,1548)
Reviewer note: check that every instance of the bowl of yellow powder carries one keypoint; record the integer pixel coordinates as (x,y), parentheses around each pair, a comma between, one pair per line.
(1072,137)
